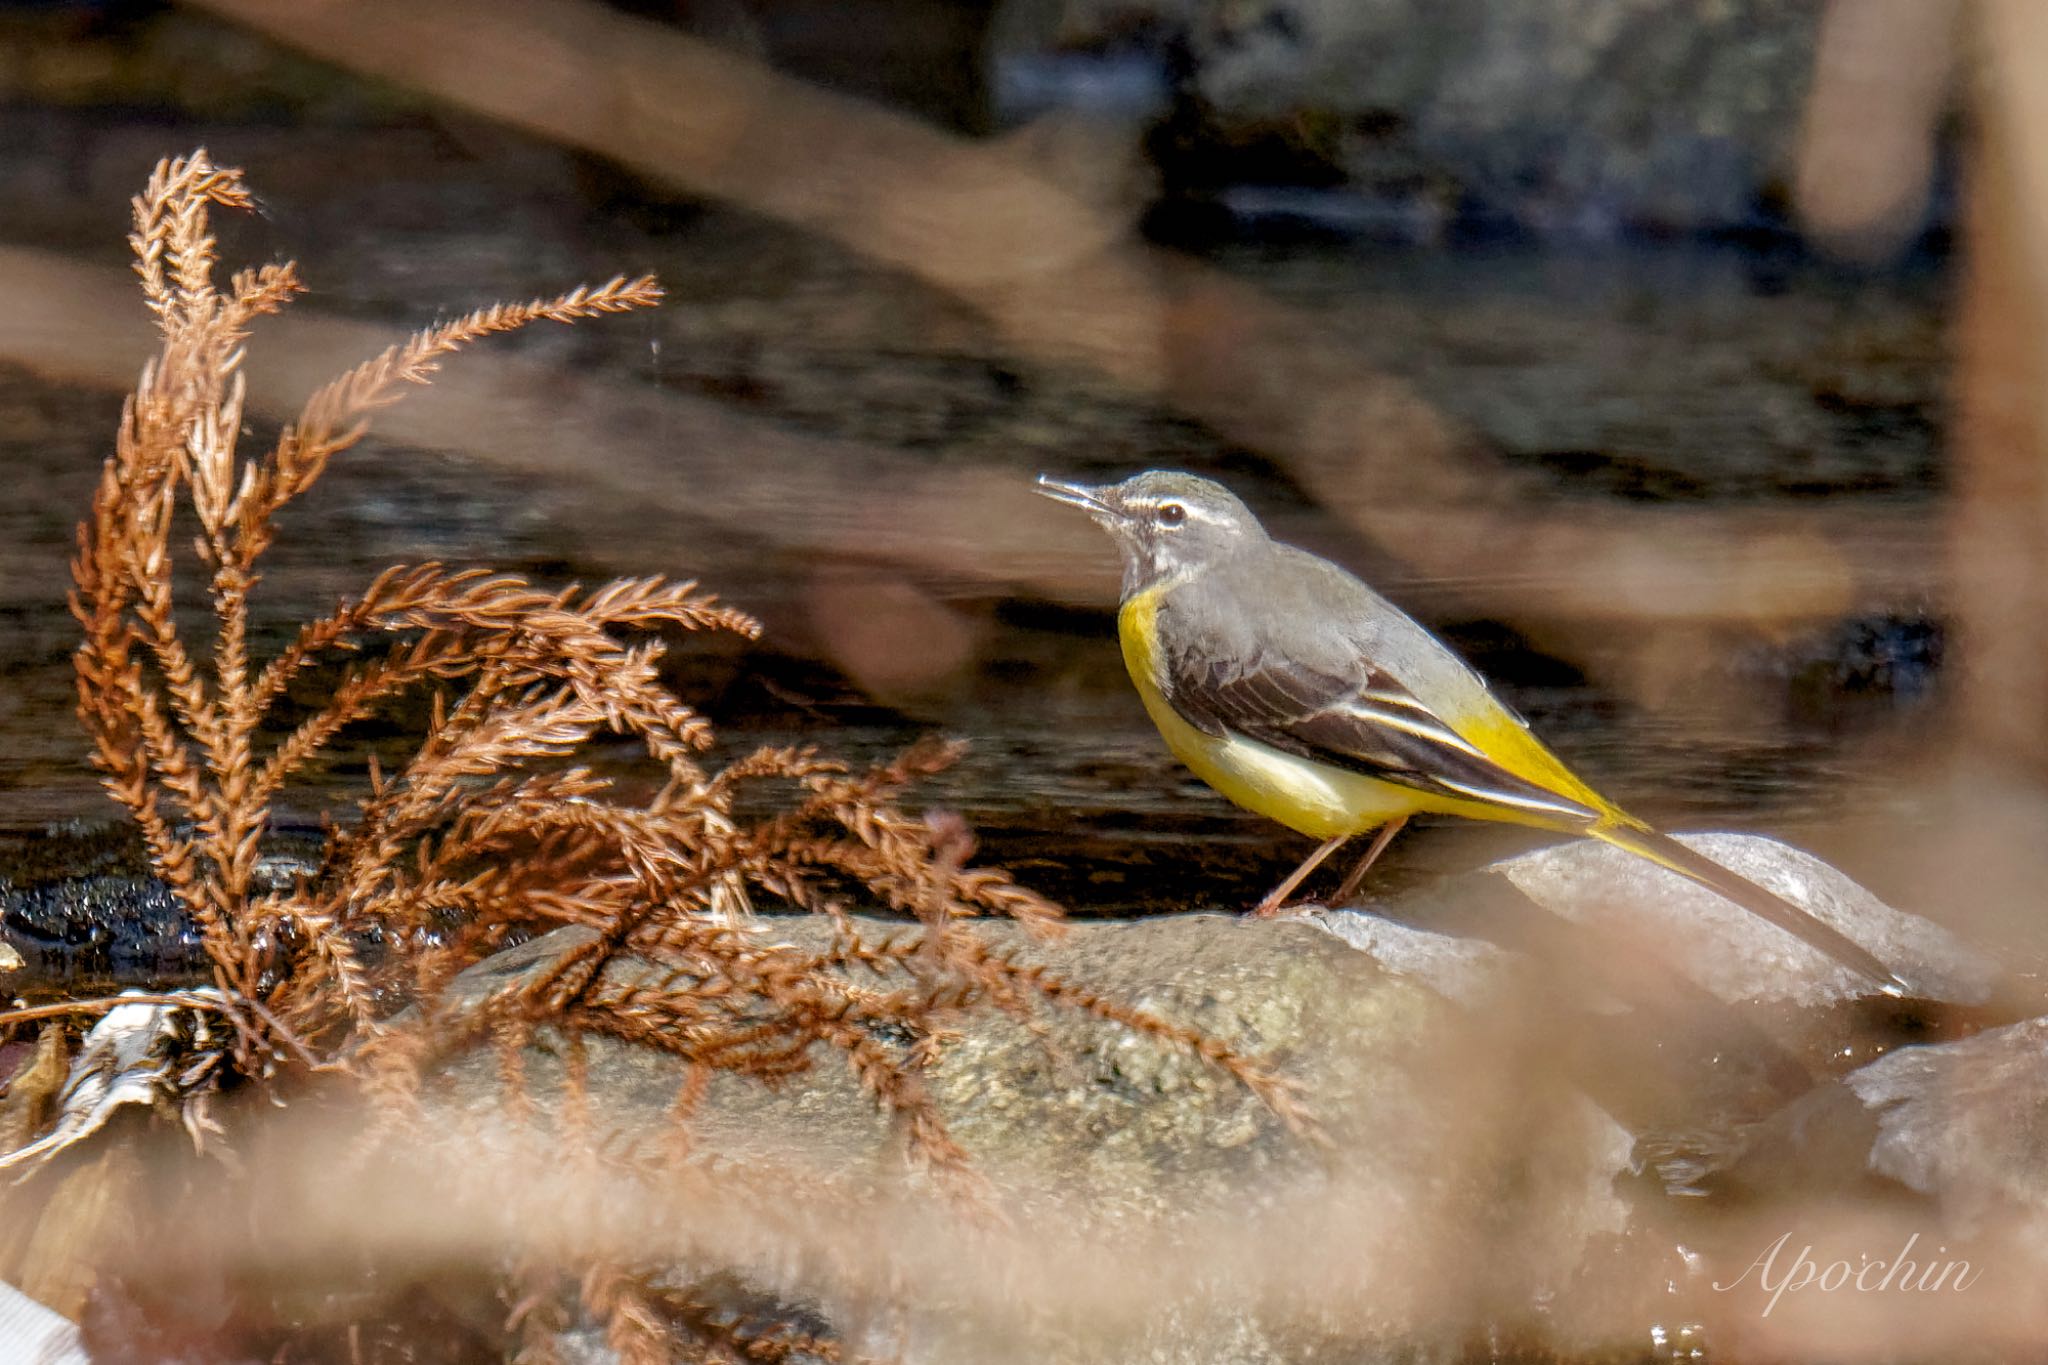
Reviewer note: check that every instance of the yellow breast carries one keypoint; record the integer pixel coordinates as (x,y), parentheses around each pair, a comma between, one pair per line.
(1311,798)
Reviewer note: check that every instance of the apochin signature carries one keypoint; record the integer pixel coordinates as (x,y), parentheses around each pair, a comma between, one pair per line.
(1864,1275)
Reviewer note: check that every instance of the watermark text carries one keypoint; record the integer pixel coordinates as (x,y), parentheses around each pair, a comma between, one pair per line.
(1910,1271)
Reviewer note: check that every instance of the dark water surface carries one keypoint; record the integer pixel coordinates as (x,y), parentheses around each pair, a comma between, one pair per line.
(1640,372)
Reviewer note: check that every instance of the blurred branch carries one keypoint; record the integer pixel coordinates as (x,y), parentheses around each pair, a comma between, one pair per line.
(1999,526)
(1866,149)
(674,463)
(1068,283)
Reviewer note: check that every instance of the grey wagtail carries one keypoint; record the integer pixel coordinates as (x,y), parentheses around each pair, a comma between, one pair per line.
(1306,697)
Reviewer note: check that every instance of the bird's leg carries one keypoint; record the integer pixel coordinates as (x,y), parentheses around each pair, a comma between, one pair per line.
(1275,898)
(1372,855)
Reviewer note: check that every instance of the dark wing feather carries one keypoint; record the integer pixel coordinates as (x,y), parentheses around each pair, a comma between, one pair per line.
(1366,723)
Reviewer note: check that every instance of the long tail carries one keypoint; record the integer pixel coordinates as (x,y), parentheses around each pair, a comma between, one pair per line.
(1668,853)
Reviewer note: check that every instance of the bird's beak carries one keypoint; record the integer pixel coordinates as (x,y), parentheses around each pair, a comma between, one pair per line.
(1075,495)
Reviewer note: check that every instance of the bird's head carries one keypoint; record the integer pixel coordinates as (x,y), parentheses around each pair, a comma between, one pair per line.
(1166,524)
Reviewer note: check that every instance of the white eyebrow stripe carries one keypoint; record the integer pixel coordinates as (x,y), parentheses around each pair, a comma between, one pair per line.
(1194,511)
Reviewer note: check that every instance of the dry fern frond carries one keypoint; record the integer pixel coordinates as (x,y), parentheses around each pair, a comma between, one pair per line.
(490,828)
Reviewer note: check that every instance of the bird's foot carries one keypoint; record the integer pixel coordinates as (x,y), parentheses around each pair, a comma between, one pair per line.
(1270,908)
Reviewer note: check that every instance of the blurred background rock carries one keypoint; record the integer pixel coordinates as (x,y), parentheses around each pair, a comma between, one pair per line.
(1555,116)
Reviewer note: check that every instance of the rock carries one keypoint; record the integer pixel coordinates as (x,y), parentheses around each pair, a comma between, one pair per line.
(1483,1107)
(86,933)
(1689,1020)
(1557,114)
(1966,1123)
(1472,972)
(1924,1172)
(1730,952)
(81,914)
(1151,1208)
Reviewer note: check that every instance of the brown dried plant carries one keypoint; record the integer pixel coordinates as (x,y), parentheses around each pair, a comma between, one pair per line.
(491,829)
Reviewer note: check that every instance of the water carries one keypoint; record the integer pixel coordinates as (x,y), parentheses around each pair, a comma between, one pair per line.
(1632,372)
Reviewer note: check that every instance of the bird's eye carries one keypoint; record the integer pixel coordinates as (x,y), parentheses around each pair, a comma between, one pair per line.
(1171,514)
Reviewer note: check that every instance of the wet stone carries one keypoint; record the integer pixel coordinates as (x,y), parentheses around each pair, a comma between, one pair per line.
(1967,1124)
(1696,1024)
(79,910)
(1731,953)
(1174,1217)
(85,932)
